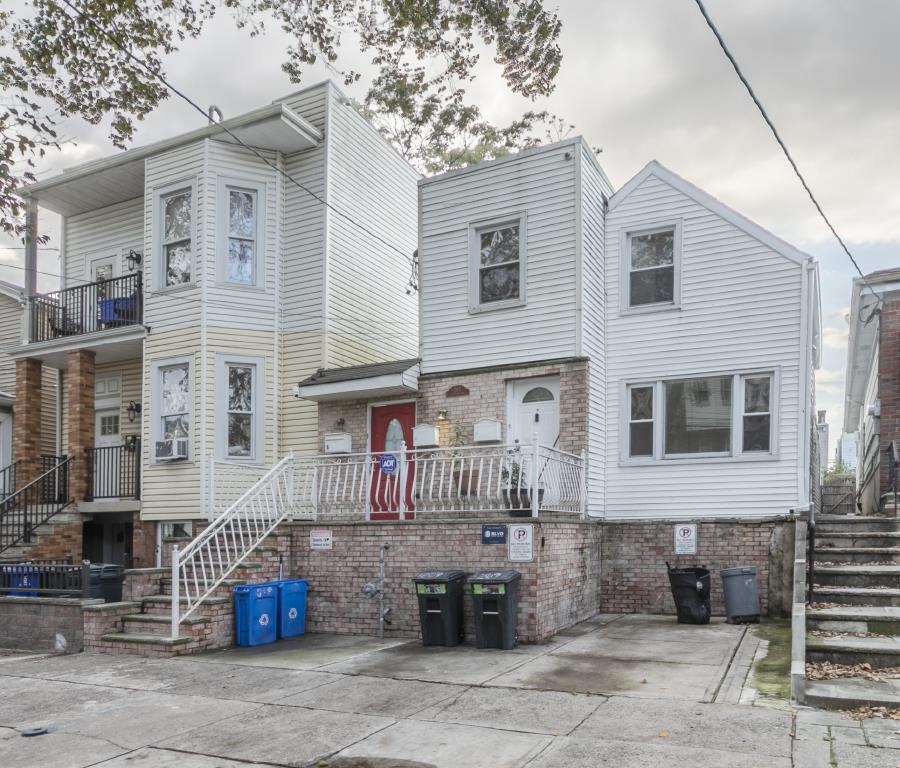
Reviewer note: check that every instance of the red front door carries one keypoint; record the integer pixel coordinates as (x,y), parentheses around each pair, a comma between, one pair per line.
(392,425)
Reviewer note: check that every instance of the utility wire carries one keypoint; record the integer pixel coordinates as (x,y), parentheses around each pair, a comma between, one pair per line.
(778,138)
(156,75)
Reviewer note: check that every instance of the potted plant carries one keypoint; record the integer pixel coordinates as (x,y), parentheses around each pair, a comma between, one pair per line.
(517,496)
(465,478)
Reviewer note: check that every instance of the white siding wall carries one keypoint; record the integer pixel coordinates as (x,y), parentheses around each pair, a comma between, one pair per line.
(10,337)
(539,183)
(740,311)
(105,232)
(595,190)
(370,315)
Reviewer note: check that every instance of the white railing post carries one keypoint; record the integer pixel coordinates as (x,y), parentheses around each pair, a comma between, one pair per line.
(176,588)
(584,483)
(535,476)
(314,489)
(401,480)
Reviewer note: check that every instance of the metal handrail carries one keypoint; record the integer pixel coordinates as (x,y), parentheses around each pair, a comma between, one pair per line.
(893,464)
(211,557)
(34,504)
(8,479)
(115,471)
(35,578)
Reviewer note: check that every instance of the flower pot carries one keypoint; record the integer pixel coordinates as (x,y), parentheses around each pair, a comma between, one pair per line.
(518,502)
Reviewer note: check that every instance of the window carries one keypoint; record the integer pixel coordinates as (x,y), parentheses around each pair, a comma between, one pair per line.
(705,416)
(698,416)
(757,413)
(651,266)
(241,236)
(109,425)
(239,421)
(640,421)
(176,237)
(175,388)
(538,395)
(498,265)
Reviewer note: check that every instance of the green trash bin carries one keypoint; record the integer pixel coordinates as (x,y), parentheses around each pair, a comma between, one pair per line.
(440,606)
(495,600)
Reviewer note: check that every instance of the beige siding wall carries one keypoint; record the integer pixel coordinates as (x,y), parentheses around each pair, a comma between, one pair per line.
(301,355)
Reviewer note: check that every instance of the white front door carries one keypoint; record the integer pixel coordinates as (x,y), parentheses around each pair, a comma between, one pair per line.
(107,436)
(533,406)
(6,430)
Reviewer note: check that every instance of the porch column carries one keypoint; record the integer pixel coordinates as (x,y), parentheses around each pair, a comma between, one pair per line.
(31,257)
(27,420)
(80,420)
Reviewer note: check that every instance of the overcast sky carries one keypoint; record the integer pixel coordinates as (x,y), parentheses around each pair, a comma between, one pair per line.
(645,79)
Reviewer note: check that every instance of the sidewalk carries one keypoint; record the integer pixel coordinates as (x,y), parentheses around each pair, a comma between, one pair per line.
(617,690)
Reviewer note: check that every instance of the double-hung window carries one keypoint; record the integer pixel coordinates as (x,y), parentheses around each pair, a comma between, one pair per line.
(240,422)
(242,225)
(651,266)
(177,215)
(497,264)
(172,409)
(705,416)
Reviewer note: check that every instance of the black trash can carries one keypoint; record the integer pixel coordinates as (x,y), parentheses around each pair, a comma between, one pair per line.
(440,606)
(495,600)
(106,582)
(690,589)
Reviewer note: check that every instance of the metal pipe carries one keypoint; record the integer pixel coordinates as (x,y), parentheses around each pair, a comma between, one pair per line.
(382,549)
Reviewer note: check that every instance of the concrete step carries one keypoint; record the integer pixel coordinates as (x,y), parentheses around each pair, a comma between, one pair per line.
(858,576)
(860,538)
(826,523)
(147,645)
(864,596)
(157,624)
(858,555)
(852,692)
(223,590)
(877,651)
(161,605)
(883,620)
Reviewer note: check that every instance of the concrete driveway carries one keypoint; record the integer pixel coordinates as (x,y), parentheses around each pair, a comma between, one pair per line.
(617,690)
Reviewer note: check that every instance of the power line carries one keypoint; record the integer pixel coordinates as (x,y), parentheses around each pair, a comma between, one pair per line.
(153,73)
(778,138)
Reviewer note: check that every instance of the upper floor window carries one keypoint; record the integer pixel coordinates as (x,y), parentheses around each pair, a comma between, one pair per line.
(241,236)
(497,264)
(652,267)
(176,237)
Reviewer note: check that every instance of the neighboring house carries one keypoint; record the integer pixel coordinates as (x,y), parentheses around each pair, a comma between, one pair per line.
(822,431)
(200,282)
(655,332)
(11,329)
(847,450)
(872,389)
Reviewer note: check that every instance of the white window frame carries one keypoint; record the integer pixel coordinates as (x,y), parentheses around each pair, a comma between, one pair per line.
(156,414)
(159,223)
(736,452)
(475,231)
(674,226)
(226,185)
(629,421)
(257,430)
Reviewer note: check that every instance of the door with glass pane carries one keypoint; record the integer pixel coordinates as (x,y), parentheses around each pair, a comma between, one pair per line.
(534,408)
(392,425)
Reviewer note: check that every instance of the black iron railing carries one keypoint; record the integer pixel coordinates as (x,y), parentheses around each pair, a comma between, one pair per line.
(87,308)
(8,479)
(115,471)
(33,505)
(893,452)
(45,579)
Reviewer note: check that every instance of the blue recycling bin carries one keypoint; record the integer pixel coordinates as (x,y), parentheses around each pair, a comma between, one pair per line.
(255,608)
(22,580)
(291,607)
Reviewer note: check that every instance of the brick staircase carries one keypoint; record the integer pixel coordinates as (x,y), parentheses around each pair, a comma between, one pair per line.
(57,539)
(858,573)
(142,625)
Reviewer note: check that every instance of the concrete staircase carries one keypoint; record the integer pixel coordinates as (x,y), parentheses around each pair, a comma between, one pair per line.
(143,625)
(858,572)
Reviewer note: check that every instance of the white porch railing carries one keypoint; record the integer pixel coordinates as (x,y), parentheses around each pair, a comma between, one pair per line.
(428,482)
(209,559)
(228,481)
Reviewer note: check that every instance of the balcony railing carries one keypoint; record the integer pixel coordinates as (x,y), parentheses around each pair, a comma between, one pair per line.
(115,471)
(87,308)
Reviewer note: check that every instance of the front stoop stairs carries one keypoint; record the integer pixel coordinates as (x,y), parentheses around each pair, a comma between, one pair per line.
(857,568)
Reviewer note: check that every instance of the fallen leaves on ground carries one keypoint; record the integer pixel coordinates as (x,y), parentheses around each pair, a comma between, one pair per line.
(830,633)
(862,713)
(825,670)
(823,606)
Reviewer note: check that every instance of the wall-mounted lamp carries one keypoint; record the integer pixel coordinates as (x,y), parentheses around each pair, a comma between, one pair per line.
(442,414)
(340,423)
(133,259)
(133,410)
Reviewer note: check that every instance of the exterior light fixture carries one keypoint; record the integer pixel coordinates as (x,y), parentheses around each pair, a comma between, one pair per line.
(133,259)
(133,410)
(442,414)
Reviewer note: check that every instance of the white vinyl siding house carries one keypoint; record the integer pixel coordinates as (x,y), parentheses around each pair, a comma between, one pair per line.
(707,394)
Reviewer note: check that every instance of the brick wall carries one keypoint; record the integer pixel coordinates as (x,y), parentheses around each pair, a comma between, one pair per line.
(43,624)
(889,376)
(60,539)
(27,423)
(634,555)
(79,385)
(486,399)
(557,589)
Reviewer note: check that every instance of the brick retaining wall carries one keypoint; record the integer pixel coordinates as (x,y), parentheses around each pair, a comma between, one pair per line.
(42,624)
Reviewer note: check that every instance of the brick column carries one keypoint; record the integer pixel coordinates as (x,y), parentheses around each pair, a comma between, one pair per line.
(80,419)
(889,377)
(27,423)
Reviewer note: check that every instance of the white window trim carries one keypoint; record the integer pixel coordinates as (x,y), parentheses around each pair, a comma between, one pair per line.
(625,308)
(156,407)
(159,270)
(257,446)
(259,252)
(736,454)
(475,229)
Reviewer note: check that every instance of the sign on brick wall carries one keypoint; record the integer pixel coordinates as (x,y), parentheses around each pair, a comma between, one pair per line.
(685,538)
(521,543)
(320,538)
(493,534)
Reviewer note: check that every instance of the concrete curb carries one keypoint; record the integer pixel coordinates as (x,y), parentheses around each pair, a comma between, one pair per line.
(798,618)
